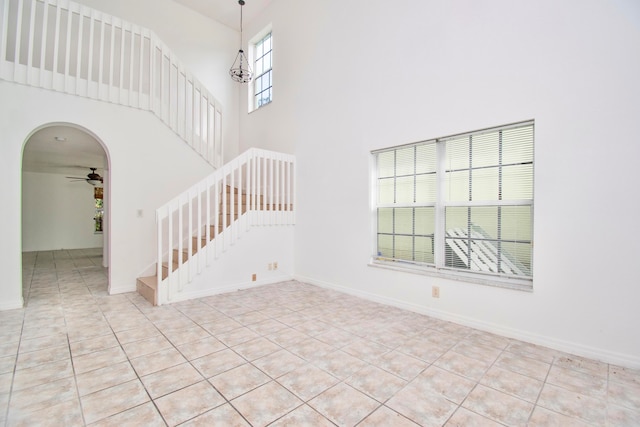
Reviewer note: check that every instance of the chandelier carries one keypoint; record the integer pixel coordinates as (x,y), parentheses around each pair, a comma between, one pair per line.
(240,70)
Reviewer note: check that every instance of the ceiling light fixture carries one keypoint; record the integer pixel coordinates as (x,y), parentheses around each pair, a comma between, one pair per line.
(238,72)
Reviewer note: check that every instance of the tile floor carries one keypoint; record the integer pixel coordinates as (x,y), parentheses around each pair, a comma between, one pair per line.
(288,354)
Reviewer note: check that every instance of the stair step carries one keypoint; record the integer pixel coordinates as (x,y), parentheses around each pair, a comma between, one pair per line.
(148,288)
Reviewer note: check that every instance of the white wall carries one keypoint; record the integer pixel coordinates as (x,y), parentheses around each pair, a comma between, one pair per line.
(148,165)
(355,76)
(57,213)
(206,48)
(252,253)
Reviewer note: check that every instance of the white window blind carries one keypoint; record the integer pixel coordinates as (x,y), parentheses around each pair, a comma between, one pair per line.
(459,203)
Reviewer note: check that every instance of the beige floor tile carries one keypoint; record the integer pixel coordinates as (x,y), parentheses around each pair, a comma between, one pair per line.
(437,381)
(512,383)
(579,381)
(498,406)
(542,417)
(463,418)
(43,343)
(113,400)
(401,365)
(224,415)
(217,363)
(42,374)
(239,380)
(376,383)
(310,349)
(187,335)
(146,346)
(142,415)
(421,349)
(425,409)
(256,348)
(171,379)
(575,405)
(85,332)
(335,337)
(624,375)
(43,396)
(106,377)
(196,349)
(307,381)
(266,404)
(98,359)
(279,363)
(340,364)
(523,365)
(40,357)
(67,413)
(625,394)
(137,334)
(578,363)
(7,364)
(344,405)
(189,402)
(237,336)
(93,344)
(366,350)
(287,337)
(154,362)
(619,416)
(462,365)
(302,416)
(477,351)
(385,417)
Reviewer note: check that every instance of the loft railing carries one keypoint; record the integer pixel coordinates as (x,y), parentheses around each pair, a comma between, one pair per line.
(196,227)
(66,47)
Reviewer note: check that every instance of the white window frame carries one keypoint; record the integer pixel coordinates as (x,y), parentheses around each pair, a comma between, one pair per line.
(439,268)
(252,58)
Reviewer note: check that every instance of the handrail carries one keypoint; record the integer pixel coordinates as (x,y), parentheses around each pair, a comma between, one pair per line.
(254,189)
(66,47)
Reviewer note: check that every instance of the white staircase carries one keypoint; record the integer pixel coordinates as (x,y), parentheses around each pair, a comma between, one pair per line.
(202,223)
(66,47)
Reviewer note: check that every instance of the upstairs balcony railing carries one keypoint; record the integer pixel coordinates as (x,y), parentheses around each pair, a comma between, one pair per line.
(66,47)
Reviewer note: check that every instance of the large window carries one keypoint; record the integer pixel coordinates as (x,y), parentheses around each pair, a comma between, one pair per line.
(460,205)
(262,84)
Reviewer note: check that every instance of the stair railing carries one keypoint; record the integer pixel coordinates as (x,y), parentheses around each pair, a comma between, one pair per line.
(66,47)
(197,226)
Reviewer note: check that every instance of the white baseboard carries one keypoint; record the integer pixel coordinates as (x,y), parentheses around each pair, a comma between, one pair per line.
(12,305)
(183,296)
(603,355)
(122,290)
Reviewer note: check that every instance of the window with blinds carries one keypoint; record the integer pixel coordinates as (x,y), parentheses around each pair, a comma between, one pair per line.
(462,203)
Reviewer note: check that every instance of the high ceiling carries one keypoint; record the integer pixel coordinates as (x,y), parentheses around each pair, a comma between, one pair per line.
(227,12)
(70,151)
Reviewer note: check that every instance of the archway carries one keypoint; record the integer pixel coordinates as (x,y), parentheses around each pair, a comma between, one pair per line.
(65,210)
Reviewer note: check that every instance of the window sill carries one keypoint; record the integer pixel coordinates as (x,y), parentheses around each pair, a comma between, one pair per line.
(525,285)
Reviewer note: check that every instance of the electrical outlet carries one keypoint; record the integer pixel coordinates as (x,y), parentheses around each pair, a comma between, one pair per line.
(269,266)
(435,291)
(275,265)
(254,277)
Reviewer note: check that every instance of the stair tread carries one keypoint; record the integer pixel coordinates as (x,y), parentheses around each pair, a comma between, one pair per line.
(151,281)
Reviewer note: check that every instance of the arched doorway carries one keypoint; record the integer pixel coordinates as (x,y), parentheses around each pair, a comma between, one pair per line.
(65,206)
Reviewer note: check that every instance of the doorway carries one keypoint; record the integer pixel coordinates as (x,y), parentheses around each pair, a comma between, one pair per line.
(65,202)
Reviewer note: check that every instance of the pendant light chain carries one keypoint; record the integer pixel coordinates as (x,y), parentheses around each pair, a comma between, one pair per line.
(237,72)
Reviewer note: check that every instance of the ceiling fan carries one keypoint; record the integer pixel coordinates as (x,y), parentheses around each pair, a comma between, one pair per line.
(92,177)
